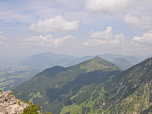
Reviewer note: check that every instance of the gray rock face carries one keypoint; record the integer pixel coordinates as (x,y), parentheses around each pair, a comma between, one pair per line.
(10,105)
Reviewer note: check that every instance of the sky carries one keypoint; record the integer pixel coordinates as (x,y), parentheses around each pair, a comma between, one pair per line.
(75,27)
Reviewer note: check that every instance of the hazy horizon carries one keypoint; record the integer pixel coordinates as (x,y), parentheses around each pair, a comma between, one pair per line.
(77,28)
(23,57)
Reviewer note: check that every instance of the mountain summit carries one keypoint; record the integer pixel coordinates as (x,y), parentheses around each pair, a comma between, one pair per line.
(53,87)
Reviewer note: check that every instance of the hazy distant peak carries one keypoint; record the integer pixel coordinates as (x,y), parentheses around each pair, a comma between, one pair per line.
(119,60)
(122,63)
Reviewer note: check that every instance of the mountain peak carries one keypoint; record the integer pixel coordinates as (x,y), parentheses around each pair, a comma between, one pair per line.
(97,58)
(97,63)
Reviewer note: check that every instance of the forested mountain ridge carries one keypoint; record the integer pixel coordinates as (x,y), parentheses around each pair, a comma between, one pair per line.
(54,86)
(128,92)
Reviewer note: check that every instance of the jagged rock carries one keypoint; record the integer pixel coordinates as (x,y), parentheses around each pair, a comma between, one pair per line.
(10,105)
(2,99)
(11,96)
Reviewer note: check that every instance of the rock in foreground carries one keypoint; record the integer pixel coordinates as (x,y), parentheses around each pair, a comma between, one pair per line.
(10,105)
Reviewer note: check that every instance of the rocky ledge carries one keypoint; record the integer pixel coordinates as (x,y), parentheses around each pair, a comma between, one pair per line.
(10,105)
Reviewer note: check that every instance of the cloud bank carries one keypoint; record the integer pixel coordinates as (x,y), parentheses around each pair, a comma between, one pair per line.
(47,41)
(56,24)
(105,38)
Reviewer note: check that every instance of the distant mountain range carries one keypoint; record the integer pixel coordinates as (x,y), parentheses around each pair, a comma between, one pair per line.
(110,57)
(46,59)
(16,72)
(93,86)
(49,59)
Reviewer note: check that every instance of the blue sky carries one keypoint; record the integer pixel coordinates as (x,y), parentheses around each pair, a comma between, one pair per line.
(75,27)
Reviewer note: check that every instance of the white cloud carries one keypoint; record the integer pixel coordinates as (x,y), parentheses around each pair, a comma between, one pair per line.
(145,39)
(142,22)
(105,35)
(56,24)
(105,38)
(108,6)
(47,40)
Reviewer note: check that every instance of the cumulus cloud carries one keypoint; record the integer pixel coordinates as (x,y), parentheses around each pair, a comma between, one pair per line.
(145,39)
(105,38)
(108,6)
(56,24)
(47,40)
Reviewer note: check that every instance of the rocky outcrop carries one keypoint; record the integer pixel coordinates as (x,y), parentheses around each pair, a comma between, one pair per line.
(10,105)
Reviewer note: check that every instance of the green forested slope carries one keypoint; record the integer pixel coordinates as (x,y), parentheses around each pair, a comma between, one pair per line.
(54,87)
(128,92)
